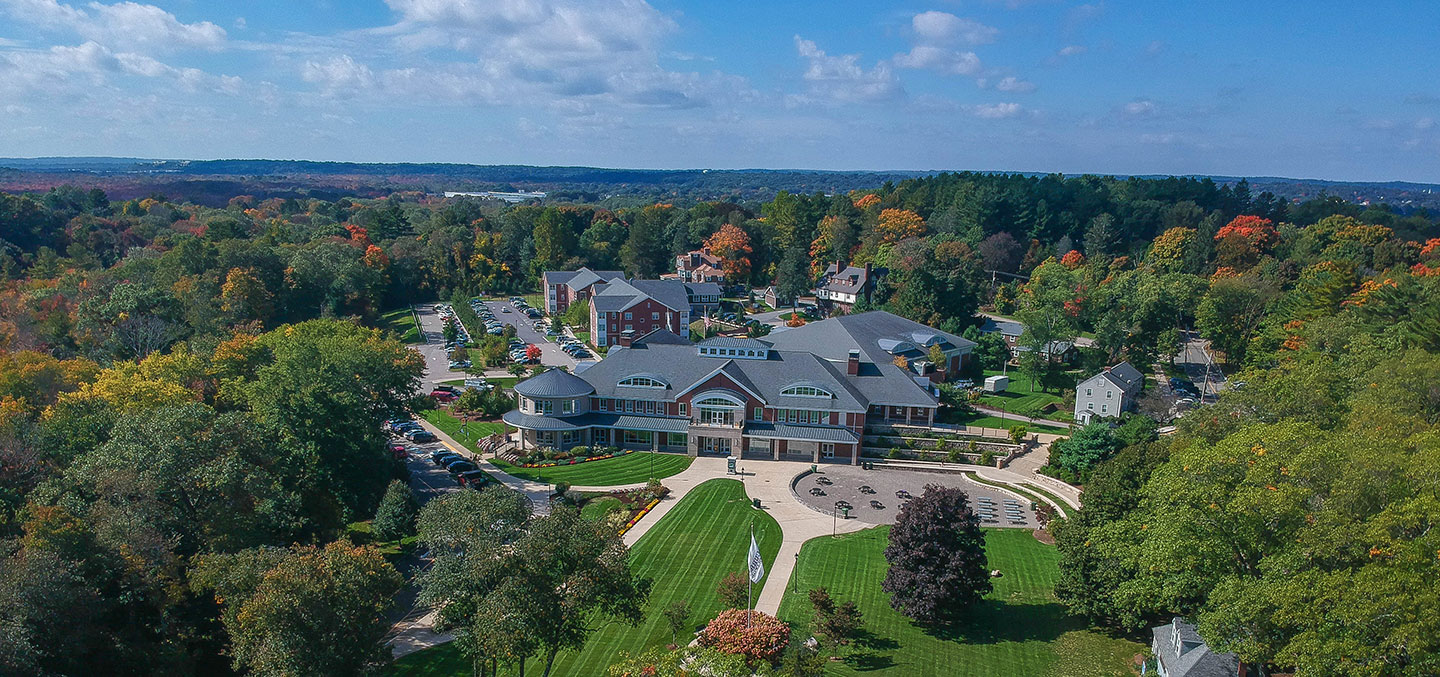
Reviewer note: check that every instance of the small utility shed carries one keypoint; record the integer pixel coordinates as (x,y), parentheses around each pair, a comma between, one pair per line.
(997,384)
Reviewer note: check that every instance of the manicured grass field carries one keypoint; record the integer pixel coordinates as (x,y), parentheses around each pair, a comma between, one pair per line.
(402,322)
(502,382)
(1018,629)
(478,430)
(598,508)
(1020,398)
(628,469)
(685,555)
(987,421)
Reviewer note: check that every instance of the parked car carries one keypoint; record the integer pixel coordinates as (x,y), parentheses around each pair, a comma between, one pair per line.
(472,477)
(439,454)
(421,436)
(443,396)
(458,466)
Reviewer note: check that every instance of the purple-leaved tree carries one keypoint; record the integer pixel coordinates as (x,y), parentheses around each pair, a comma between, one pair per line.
(936,556)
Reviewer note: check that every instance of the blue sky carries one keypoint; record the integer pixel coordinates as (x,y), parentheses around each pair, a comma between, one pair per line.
(1322,89)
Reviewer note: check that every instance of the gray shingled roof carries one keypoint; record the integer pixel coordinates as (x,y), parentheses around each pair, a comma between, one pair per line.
(834,338)
(1123,376)
(702,288)
(682,367)
(789,431)
(520,419)
(732,342)
(558,276)
(1003,327)
(586,277)
(671,293)
(553,383)
(1194,658)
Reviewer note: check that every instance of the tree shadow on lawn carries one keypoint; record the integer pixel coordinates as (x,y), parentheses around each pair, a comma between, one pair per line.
(993,621)
(869,651)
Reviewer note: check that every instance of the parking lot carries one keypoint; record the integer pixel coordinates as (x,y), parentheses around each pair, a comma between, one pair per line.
(437,363)
(888,488)
(550,353)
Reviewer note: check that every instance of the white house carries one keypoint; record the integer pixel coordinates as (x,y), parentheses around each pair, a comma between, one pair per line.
(1107,393)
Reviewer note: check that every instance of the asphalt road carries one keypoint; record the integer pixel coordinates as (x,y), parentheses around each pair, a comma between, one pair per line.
(1196,361)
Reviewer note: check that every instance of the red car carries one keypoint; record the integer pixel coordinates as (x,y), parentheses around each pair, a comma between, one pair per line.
(399,451)
(443,396)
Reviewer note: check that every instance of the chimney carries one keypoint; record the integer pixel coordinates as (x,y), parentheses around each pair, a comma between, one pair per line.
(627,337)
(852,365)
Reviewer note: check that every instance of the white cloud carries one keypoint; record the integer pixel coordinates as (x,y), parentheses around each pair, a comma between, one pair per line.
(996,111)
(940,60)
(338,74)
(942,28)
(1071,50)
(66,67)
(1139,108)
(1014,84)
(843,78)
(124,25)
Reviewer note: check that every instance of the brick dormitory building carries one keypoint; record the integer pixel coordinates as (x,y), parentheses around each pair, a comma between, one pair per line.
(805,393)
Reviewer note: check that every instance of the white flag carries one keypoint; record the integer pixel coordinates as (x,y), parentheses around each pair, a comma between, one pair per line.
(757,565)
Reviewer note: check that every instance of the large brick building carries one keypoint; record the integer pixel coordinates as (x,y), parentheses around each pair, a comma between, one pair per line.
(564,287)
(802,394)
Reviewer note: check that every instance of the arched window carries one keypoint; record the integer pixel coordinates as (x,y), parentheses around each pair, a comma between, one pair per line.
(639,381)
(718,409)
(806,391)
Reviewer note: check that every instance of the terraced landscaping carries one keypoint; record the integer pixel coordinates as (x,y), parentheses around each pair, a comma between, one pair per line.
(1018,629)
(685,555)
(628,469)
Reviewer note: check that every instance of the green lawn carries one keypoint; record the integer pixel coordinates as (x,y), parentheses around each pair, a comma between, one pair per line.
(1020,398)
(1018,629)
(583,337)
(478,430)
(628,469)
(598,508)
(402,322)
(988,421)
(685,555)
(536,300)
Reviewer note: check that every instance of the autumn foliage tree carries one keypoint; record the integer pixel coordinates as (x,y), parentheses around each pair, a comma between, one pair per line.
(732,245)
(898,224)
(1072,259)
(758,636)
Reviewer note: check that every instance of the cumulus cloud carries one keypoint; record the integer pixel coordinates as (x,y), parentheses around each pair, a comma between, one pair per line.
(842,77)
(124,25)
(942,27)
(62,65)
(543,51)
(1014,84)
(1071,50)
(935,35)
(940,60)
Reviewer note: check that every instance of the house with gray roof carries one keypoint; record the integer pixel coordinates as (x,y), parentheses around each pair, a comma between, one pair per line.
(805,398)
(638,307)
(1108,393)
(843,286)
(1180,652)
(564,287)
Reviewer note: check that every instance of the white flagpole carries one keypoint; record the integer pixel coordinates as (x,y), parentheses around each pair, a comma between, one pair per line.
(750,590)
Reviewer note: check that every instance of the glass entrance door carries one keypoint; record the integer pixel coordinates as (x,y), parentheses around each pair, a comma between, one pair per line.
(715,445)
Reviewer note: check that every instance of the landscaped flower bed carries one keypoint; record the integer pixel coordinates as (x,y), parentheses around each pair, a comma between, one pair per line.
(574,456)
(639,515)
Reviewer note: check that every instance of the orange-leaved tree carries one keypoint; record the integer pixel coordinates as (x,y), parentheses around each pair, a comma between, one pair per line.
(898,224)
(732,245)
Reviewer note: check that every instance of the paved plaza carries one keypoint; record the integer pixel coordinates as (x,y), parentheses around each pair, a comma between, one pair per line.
(877,495)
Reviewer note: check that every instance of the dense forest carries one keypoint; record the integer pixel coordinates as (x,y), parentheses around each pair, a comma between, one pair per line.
(183,435)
